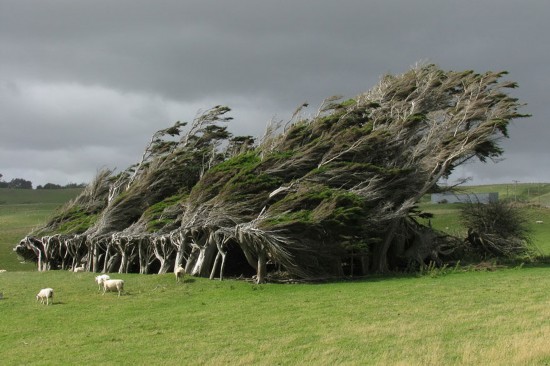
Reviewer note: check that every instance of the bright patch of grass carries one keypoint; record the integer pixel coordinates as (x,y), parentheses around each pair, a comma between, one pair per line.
(498,317)
(21,210)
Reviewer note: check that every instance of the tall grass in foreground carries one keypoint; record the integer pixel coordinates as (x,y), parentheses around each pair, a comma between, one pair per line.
(500,318)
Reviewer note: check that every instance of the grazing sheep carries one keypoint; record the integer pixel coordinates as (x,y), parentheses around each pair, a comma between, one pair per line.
(538,222)
(179,272)
(112,285)
(99,279)
(45,294)
(3,270)
(79,269)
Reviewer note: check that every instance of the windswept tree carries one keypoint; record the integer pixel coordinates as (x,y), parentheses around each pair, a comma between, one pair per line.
(329,195)
(355,172)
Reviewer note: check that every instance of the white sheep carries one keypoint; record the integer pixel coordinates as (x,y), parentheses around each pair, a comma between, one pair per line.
(45,294)
(99,279)
(3,270)
(112,285)
(539,222)
(79,269)
(179,272)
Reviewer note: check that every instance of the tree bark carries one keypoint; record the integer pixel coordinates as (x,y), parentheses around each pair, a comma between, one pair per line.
(262,267)
(381,255)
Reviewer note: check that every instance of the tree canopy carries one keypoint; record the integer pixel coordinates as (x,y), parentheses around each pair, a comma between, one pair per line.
(321,196)
(16,183)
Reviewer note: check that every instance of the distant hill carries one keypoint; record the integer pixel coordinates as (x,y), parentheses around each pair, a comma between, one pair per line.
(536,193)
(10,196)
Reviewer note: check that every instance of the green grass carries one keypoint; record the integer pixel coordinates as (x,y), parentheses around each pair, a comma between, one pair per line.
(41,196)
(498,317)
(446,218)
(448,317)
(538,193)
(535,196)
(21,210)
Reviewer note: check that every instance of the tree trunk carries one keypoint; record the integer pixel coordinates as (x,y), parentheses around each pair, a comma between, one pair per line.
(95,264)
(222,267)
(112,263)
(163,249)
(192,260)
(203,265)
(213,272)
(381,253)
(220,244)
(40,261)
(123,262)
(164,266)
(180,242)
(107,258)
(145,254)
(364,264)
(262,267)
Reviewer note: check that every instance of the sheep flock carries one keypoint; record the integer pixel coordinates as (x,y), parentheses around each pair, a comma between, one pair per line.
(103,281)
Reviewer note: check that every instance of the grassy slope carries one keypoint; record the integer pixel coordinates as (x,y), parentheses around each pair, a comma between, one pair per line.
(20,211)
(498,317)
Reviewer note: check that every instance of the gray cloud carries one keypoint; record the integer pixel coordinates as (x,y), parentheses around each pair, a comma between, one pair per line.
(93,80)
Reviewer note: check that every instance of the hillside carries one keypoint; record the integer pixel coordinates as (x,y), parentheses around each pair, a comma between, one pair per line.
(55,197)
(22,210)
(535,193)
(533,197)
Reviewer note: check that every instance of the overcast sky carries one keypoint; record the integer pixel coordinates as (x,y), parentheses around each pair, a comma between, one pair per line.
(84,84)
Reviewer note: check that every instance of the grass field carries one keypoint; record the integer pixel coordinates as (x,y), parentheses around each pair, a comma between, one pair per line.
(450,317)
(499,318)
(534,196)
(20,211)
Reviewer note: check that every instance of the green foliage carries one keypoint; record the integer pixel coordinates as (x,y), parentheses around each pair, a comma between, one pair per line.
(157,209)
(348,102)
(306,197)
(216,178)
(17,183)
(246,161)
(319,205)
(354,172)
(76,221)
(159,223)
(250,182)
(73,219)
(286,218)
(158,215)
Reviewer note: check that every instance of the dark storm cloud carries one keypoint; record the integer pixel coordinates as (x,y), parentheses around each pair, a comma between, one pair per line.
(107,74)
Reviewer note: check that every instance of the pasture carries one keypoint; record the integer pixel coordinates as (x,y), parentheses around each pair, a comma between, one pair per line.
(451,316)
(499,318)
(534,197)
(21,210)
